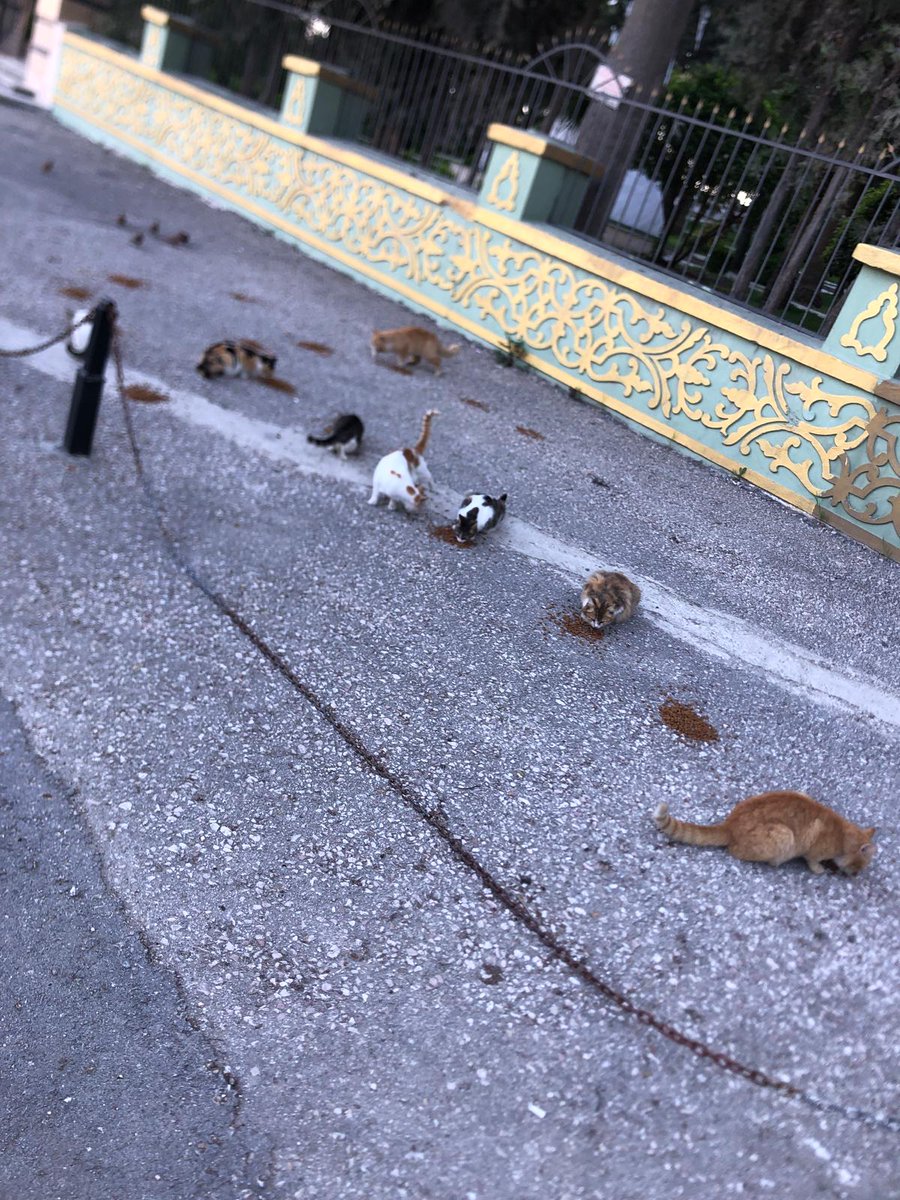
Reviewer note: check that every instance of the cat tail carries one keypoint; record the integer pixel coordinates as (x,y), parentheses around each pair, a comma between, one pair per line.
(685,831)
(426,430)
(328,440)
(449,351)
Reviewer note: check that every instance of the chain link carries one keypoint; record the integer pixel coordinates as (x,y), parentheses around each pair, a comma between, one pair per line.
(50,341)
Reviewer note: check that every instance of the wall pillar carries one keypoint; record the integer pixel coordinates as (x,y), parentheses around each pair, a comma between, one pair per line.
(174,44)
(323,101)
(866,332)
(530,177)
(45,47)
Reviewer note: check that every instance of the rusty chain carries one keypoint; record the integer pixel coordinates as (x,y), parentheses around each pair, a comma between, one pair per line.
(50,341)
(508,899)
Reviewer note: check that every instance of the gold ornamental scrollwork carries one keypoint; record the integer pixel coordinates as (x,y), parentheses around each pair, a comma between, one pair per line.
(508,177)
(883,308)
(296,105)
(870,491)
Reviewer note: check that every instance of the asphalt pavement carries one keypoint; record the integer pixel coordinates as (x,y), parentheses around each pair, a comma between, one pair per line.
(379,864)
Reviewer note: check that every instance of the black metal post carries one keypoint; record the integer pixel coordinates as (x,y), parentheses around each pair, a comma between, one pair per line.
(89,382)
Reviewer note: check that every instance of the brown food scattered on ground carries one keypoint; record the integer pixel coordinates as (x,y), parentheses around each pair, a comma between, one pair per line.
(316,348)
(570,622)
(444,533)
(177,239)
(75,293)
(243,297)
(125,281)
(475,403)
(148,395)
(532,433)
(48,166)
(684,720)
(277,385)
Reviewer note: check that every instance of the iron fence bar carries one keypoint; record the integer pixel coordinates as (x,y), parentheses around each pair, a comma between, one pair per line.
(721,175)
(669,221)
(839,181)
(732,190)
(738,189)
(622,131)
(795,198)
(678,253)
(798,233)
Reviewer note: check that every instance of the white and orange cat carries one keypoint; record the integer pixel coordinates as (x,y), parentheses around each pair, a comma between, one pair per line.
(400,476)
(777,826)
(410,344)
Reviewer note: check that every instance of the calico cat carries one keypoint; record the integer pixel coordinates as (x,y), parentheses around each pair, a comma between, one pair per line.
(777,826)
(242,357)
(397,476)
(411,344)
(477,514)
(608,598)
(343,436)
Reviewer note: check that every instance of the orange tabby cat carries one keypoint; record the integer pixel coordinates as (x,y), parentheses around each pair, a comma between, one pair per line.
(410,344)
(778,826)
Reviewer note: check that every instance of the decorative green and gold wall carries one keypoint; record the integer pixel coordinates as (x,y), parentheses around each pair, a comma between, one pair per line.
(797,418)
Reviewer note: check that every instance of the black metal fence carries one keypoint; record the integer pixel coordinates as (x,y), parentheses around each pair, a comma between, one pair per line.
(733,205)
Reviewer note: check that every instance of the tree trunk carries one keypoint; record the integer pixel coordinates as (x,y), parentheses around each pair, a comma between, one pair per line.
(643,52)
(16,41)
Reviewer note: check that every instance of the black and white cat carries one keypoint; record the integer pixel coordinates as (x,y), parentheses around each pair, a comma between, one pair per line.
(477,514)
(343,436)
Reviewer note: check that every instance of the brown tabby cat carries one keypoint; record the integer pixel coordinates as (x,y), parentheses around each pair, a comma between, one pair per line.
(607,598)
(777,826)
(411,344)
(243,357)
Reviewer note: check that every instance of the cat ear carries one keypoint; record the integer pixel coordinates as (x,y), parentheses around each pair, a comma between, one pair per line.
(869,833)
(502,498)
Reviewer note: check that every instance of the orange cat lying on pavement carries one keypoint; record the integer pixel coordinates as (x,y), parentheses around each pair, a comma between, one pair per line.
(776,827)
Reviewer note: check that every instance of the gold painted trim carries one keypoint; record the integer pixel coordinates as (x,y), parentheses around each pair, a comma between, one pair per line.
(309,67)
(350,158)
(509,175)
(165,20)
(880,544)
(542,147)
(878,257)
(883,306)
(558,247)
(154,16)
